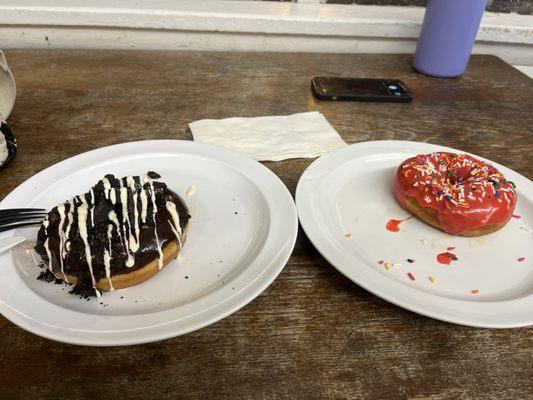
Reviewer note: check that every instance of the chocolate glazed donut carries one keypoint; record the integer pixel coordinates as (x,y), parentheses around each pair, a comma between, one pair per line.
(120,233)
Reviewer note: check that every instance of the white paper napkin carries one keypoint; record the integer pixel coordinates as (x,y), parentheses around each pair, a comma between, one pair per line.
(303,135)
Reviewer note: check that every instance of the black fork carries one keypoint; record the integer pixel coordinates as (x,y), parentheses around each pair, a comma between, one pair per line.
(19,217)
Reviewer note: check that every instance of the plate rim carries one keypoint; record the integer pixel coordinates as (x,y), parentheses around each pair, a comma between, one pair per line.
(229,305)
(307,220)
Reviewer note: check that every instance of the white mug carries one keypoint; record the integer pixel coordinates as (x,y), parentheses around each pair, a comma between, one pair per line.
(8,89)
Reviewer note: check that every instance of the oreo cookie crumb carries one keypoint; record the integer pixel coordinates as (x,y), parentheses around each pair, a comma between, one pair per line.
(46,276)
(49,277)
(83,291)
(153,175)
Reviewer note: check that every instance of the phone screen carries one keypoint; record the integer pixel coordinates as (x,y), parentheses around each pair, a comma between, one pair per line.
(360,89)
(351,86)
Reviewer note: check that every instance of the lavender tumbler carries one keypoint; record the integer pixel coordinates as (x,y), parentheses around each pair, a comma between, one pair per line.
(447,36)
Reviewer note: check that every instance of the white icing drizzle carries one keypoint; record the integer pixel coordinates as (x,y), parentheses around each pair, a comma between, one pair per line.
(46,223)
(144,205)
(109,236)
(92,202)
(107,265)
(136,219)
(113,196)
(154,215)
(190,191)
(62,238)
(82,226)
(107,187)
(135,196)
(66,241)
(128,237)
(171,208)
(48,253)
(113,218)
(70,218)
(178,236)
(130,181)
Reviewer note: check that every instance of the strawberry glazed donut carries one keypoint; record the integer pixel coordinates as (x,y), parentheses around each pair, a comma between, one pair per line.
(455,193)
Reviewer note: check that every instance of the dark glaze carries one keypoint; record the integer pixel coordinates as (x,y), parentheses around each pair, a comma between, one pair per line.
(466,193)
(75,263)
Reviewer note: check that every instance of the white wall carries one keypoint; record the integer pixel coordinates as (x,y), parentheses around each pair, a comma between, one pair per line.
(240,26)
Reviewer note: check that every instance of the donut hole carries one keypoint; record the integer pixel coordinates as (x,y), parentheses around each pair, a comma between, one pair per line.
(458,176)
(453,179)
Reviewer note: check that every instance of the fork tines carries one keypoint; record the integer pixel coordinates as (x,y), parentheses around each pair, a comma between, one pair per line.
(19,217)
(10,211)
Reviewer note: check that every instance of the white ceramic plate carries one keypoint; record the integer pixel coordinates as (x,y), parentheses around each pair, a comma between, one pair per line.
(344,201)
(242,232)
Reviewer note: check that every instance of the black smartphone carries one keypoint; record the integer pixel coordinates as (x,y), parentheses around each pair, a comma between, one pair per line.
(360,89)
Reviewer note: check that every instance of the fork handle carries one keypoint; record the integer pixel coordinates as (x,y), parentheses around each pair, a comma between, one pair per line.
(15,225)
(6,244)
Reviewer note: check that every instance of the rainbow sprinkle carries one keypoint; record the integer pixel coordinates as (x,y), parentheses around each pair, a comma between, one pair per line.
(437,184)
(348,235)
(411,276)
(521,259)
(432,279)
(475,291)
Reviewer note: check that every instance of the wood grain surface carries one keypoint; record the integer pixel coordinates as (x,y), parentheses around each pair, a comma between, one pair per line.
(312,333)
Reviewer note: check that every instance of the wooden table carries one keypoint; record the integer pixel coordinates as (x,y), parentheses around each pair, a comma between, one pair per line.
(312,333)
